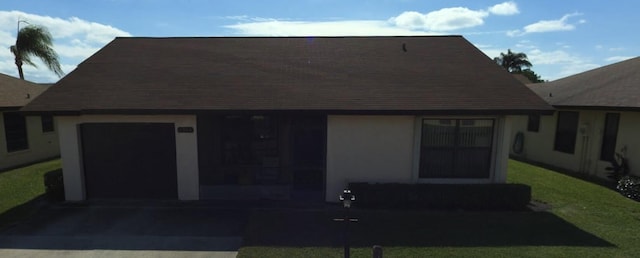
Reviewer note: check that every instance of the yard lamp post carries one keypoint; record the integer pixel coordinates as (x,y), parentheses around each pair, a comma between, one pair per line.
(346,198)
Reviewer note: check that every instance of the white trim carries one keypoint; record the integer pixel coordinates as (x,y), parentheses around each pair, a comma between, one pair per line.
(497,129)
(186,151)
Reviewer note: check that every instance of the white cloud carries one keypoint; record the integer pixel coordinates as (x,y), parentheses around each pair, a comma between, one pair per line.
(525,44)
(406,23)
(325,28)
(615,59)
(506,8)
(559,63)
(561,24)
(551,25)
(75,39)
(446,19)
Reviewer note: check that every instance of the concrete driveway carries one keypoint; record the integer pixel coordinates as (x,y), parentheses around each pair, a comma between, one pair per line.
(129,229)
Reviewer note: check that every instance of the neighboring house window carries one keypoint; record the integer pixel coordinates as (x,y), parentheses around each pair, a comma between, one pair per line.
(610,136)
(534,123)
(15,131)
(47,123)
(566,132)
(456,148)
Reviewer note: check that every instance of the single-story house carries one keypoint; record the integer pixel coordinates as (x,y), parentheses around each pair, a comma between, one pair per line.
(281,117)
(598,115)
(23,140)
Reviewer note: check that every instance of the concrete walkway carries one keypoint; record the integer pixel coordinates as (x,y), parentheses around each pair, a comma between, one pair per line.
(130,230)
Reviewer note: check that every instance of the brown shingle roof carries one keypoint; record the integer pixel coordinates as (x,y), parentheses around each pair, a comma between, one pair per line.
(521,78)
(613,86)
(329,74)
(15,93)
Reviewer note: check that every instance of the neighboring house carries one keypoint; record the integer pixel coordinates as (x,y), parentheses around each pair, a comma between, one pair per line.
(281,118)
(598,114)
(23,140)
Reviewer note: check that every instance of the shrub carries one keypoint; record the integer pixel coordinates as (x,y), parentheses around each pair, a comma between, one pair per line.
(54,185)
(619,167)
(629,186)
(442,196)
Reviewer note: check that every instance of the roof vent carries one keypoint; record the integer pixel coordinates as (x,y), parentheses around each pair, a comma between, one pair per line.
(404,47)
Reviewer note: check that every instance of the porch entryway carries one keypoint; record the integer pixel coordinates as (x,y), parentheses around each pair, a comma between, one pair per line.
(253,157)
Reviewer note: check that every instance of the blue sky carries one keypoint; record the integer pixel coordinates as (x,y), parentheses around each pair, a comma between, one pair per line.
(561,38)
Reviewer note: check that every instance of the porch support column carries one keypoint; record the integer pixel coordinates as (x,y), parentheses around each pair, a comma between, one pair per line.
(187,159)
(70,152)
(502,149)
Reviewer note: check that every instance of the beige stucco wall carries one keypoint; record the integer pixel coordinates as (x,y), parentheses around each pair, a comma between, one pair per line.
(629,137)
(586,157)
(42,145)
(382,149)
(186,151)
(368,149)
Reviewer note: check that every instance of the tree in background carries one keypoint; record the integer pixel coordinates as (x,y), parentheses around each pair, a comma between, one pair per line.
(513,62)
(517,63)
(33,40)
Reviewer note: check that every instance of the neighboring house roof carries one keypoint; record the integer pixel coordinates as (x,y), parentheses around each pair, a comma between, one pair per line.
(437,74)
(15,93)
(615,86)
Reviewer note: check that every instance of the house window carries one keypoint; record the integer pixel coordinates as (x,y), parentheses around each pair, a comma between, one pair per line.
(249,140)
(47,123)
(534,123)
(609,136)
(566,132)
(456,148)
(15,132)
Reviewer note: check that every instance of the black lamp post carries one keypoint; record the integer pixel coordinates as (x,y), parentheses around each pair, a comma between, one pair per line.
(346,198)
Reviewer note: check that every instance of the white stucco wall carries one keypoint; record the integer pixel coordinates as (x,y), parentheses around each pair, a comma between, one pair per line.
(42,145)
(384,149)
(586,157)
(377,149)
(504,126)
(186,151)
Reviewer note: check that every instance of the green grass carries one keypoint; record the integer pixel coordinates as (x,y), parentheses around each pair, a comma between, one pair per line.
(586,220)
(21,188)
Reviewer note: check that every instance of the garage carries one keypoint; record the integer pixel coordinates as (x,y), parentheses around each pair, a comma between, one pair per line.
(129,160)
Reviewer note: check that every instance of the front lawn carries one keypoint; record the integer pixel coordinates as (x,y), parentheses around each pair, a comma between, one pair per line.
(586,220)
(20,190)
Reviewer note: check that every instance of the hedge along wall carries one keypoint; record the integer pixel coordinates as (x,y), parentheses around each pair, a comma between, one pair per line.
(442,196)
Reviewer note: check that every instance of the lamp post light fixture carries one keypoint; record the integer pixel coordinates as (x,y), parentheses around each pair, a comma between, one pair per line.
(346,198)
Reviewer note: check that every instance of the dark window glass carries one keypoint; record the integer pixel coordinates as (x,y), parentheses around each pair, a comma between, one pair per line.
(47,123)
(456,148)
(15,131)
(534,123)
(249,140)
(609,136)
(566,132)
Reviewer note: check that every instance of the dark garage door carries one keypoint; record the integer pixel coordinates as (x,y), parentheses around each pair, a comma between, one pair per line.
(129,160)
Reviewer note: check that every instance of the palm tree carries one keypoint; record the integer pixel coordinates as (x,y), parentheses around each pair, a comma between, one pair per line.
(35,41)
(513,62)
